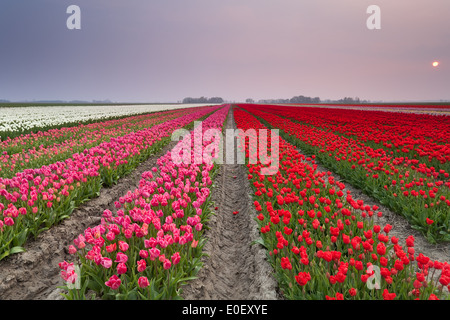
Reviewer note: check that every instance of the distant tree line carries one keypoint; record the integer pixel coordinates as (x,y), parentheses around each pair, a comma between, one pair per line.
(348,100)
(304,99)
(296,99)
(203,100)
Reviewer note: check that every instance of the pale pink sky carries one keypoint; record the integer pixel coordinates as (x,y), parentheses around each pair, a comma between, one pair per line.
(163,51)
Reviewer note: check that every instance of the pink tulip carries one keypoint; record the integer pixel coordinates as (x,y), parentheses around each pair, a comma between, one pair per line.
(167,264)
(121,258)
(114,282)
(123,246)
(176,258)
(9,221)
(72,249)
(154,253)
(143,282)
(143,254)
(121,268)
(141,265)
(106,262)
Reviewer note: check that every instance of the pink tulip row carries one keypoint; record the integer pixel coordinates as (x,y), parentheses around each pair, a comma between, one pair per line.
(37,149)
(51,134)
(152,244)
(35,199)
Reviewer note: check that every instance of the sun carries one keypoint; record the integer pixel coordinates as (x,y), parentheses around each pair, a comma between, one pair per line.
(435,63)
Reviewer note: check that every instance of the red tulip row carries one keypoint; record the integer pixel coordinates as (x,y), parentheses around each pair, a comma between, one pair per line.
(35,199)
(396,133)
(414,192)
(153,243)
(323,243)
(387,106)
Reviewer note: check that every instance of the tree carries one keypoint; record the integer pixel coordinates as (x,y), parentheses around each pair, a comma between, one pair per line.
(349,100)
(203,100)
(215,100)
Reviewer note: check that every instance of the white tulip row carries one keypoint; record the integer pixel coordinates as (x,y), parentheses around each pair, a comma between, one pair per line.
(25,118)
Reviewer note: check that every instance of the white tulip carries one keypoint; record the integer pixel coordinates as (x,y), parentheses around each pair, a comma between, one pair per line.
(25,118)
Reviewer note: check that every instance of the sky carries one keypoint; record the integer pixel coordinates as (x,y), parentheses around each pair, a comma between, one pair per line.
(166,50)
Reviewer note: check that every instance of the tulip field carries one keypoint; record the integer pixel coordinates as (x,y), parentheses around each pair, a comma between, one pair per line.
(403,165)
(33,199)
(157,229)
(321,242)
(15,121)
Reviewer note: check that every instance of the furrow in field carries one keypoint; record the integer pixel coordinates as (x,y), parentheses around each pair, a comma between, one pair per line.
(235,269)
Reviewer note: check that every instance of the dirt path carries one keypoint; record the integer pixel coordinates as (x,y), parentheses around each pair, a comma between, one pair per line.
(35,274)
(235,269)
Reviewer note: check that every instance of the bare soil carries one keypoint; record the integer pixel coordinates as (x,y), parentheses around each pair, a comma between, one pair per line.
(235,269)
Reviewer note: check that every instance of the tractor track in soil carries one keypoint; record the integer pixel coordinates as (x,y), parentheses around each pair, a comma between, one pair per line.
(35,274)
(235,268)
